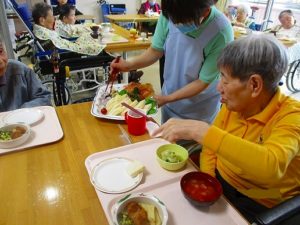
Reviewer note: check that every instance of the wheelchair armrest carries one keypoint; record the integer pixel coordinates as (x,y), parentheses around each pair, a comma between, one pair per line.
(280,212)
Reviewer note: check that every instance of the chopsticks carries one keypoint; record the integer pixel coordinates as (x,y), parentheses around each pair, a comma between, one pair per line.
(138,112)
(112,76)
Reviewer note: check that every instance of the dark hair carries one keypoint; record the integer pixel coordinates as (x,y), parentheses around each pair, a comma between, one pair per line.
(65,10)
(288,11)
(185,11)
(40,10)
(255,54)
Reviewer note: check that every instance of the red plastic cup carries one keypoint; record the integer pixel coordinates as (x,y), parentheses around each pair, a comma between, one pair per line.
(136,123)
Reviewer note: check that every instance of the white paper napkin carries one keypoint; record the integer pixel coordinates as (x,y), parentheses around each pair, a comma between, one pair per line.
(151,127)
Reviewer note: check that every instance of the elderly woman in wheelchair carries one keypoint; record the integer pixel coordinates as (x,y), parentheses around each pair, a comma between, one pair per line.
(44,26)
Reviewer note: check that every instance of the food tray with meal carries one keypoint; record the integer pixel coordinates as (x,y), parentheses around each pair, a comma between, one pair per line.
(163,186)
(137,95)
(34,121)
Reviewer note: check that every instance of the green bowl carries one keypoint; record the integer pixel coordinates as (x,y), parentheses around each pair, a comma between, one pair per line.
(180,153)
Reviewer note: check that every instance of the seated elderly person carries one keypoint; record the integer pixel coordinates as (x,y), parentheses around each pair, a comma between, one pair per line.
(19,85)
(66,26)
(149,7)
(43,29)
(253,146)
(287,27)
(242,17)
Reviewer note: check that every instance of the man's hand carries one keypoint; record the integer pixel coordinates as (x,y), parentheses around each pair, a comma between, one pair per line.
(178,129)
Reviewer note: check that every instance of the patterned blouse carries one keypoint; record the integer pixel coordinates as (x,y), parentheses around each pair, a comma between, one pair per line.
(70,30)
(85,44)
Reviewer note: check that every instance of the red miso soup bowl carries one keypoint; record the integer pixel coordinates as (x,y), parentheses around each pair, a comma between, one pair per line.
(200,189)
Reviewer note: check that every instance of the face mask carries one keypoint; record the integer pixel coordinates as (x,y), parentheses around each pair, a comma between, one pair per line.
(152,3)
(186,28)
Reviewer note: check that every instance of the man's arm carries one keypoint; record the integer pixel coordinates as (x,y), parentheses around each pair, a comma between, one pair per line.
(271,158)
(208,158)
(37,93)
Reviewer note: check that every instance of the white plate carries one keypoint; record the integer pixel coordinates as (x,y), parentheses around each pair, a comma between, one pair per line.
(110,176)
(97,104)
(28,116)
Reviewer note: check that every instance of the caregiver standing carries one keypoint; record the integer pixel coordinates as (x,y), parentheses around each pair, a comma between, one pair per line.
(191,34)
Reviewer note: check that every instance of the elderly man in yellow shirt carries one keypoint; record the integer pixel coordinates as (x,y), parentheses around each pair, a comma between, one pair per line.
(253,146)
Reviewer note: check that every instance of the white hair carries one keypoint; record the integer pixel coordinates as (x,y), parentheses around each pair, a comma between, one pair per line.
(244,8)
(255,54)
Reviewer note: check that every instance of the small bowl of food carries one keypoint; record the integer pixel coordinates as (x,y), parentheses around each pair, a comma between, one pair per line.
(139,208)
(200,189)
(172,156)
(13,135)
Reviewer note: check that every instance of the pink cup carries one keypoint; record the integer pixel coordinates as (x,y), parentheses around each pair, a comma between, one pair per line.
(136,123)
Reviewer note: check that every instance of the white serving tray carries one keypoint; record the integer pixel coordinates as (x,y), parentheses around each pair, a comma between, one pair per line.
(46,131)
(164,185)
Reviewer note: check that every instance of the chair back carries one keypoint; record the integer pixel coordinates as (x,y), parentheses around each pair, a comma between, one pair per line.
(24,14)
(117,8)
(105,11)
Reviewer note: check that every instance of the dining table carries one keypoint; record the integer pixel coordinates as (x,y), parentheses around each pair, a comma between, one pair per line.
(49,184)
(85,17)
(132,44)
(131,18)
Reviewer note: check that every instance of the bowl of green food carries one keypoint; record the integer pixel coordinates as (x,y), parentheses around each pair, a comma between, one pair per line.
(171,156)
(13,135)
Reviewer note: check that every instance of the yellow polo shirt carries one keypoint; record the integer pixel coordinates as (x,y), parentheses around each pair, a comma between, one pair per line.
(260,155)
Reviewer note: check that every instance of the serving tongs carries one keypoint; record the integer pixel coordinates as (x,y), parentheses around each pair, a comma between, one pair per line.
(148,118)
(111,79)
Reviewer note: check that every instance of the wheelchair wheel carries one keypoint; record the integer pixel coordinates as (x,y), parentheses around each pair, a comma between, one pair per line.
(51,86)
(293,76)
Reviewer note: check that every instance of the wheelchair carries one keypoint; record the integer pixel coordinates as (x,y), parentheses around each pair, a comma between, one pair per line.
(73,73)
(293,76)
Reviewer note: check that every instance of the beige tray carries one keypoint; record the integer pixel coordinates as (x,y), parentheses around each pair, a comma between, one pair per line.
(46,131)
(165,185)
(112,38)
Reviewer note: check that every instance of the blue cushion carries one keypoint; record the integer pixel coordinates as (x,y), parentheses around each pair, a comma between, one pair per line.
(105,11)
(24,11)
(25,14)
(117,10)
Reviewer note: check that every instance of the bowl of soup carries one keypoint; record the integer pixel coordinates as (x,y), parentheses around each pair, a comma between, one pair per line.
(13,135)
(139,208)
(200,189)
(172,156)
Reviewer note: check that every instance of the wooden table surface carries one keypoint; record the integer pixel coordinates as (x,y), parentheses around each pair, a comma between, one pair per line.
(131,45)
(50,184)
(85,17)
(131,18)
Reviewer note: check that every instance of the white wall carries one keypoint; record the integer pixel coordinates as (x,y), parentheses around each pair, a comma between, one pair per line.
(91,7)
